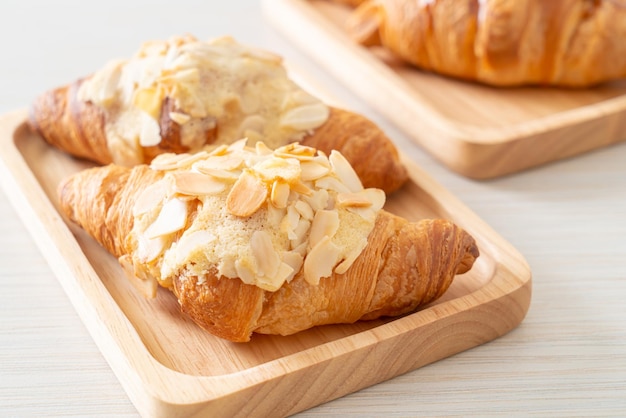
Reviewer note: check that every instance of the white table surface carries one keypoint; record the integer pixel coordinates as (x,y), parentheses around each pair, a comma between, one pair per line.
(567,358)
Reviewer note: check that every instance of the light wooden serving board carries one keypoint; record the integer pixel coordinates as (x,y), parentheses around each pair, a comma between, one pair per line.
(171,368)
(478,131)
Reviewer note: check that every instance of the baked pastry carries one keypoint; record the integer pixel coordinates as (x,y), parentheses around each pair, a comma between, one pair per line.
(183,94)
(575,43)
(274,242)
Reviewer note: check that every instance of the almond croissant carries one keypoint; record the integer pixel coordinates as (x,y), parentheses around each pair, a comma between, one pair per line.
(180,95)
(574,43)
(274,242)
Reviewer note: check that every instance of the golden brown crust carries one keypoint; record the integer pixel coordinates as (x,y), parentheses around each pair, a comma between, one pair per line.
(502,42)
(73,126)
(403,266)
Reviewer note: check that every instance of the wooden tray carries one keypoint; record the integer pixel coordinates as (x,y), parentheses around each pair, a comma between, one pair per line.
(478,131)
(169,367)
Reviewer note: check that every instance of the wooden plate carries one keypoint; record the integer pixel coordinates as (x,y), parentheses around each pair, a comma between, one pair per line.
(170,367)
(475,130)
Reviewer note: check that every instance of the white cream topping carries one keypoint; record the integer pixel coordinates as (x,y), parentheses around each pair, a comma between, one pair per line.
(219,86)
(254,214)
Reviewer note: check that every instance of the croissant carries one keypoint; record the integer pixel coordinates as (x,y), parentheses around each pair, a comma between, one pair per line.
(573,43)
(181,95)
(252,240)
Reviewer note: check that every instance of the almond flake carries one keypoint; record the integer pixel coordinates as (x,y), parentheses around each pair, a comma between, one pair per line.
(325,224)
(189,243)
(318,200)
(219,150)
(295,150)
(294,260)
(262,149)
(149,100)
(150,132)
(353,199)
(223,175)
(148,249)
(304,209)
(179,118)
(146,286)
(287,169)
(279,194)
(220,162)
(306,117)
(196,184)
(345,172)
(332,183)
(312,170)
(171,161)
(320,261)
(238,145)
(267,259)
(150,197)
(172,218)
(351,257)
(244,271)
(246,196)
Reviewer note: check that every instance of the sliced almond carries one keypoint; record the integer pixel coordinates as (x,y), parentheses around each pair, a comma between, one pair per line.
(273,168)
(332,183)
(266,257)
(297,151)
(306,117)
(220,162)
(148,249)
(150,133)
(238,145)
(171,161)
(353,199)
(247,195)
(275,216)
(294,260)
(351,257)
(149,100)
(300,232)
(218,150)
(290,222)
(190,243)
(345,172)
(223,175)
(150,197)
(301,188)
(304,209)
(312,170)
(320,261)
(262,149)
(179,117)
(196,184)
(369,213)
(279,195)
(318,200)
(325,224)
(172,218)
(146,286)
(244,271)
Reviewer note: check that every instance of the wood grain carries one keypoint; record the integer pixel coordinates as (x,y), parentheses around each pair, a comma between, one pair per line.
(478,131)
(170,367)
